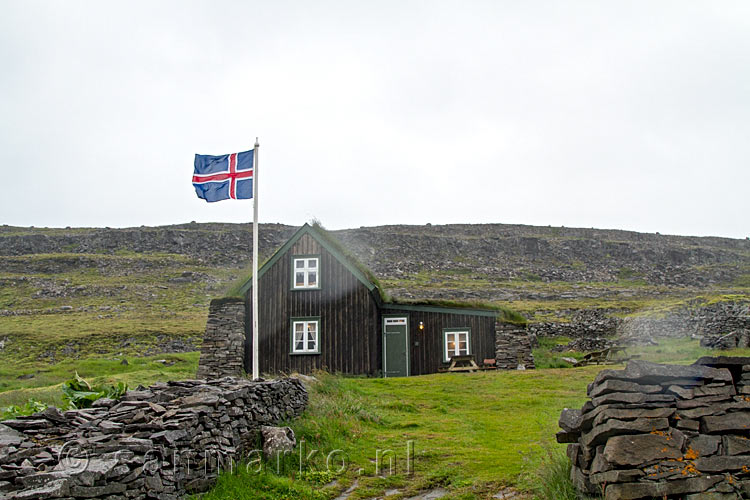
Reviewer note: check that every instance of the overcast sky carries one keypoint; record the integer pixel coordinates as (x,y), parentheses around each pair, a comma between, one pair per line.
(629,115)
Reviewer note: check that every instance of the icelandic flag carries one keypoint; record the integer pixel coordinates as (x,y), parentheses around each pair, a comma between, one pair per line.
(224,177)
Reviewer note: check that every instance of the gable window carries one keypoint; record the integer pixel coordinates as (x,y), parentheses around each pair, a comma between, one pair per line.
(305,336)
(305,272)
(456,343)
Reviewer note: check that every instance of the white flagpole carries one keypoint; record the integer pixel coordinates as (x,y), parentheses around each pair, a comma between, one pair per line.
(256,369)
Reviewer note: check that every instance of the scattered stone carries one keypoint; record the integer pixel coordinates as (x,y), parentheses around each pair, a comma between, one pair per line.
(277,440)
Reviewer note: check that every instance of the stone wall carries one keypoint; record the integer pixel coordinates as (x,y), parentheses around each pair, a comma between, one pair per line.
(513,346)
(584,324)
(223,349)
(695,318)
(722,324)
(162,442)
(663,431)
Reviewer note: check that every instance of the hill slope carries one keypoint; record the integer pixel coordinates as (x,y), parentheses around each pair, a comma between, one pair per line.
(97,291)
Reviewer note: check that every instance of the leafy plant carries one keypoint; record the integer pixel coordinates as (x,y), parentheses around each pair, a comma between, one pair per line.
(77,393)
(29,408)
(317,476)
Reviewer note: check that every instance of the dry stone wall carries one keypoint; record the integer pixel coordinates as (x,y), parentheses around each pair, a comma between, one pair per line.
(161,442)
(223,348)
(513,346)
(663,431)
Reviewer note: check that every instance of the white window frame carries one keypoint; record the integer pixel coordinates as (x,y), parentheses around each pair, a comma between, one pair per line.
(456,333)
(305,322)
(306,269)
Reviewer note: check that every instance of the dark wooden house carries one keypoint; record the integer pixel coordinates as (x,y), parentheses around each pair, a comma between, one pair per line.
(320,310)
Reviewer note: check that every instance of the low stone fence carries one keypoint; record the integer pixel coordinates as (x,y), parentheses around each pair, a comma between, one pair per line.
(663,431)
(578,328)
(695,318)
(162,442)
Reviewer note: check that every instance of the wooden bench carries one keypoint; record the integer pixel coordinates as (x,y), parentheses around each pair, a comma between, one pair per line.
(489,364)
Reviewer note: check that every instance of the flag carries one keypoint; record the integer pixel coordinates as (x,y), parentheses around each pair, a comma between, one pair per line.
(224,177)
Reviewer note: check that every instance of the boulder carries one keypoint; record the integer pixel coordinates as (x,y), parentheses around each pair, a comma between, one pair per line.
(599,434)
(614,385)
(645,372)
(277,440)
(729,423)
(640,449)
(633,491)
(570,420)
(736,445)
(10,437)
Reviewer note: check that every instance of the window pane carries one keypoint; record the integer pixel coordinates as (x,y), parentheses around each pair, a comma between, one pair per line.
(310,345)
(298,346)
(312,278)
(451,347)
(463,352)
(299,263)
(312,263)
(462,345)
(299,279)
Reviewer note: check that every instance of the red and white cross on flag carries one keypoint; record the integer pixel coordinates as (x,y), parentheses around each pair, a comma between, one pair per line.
(224,177)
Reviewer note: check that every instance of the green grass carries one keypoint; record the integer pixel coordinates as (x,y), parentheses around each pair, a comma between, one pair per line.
(470,432)
(45,385)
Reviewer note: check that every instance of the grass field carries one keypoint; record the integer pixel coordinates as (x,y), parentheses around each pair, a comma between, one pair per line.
(471,434)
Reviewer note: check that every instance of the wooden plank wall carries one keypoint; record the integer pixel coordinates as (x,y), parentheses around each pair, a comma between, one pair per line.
(427,357)
(349,327)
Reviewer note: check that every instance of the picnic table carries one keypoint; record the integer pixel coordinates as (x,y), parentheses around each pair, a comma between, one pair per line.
(463,363)
(608,356)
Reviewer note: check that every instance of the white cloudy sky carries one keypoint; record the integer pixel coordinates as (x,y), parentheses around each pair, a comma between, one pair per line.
(630,114)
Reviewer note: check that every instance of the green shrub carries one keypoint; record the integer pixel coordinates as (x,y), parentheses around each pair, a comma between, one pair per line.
(77,393)
(29,408)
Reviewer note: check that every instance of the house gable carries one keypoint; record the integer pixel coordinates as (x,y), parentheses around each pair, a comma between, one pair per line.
(292,244)
(328,322)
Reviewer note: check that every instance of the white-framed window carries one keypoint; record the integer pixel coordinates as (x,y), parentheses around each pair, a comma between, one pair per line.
(305,335)
(305,272)
(456,343)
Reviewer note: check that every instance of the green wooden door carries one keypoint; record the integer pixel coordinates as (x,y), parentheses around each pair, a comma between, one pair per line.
(395,346)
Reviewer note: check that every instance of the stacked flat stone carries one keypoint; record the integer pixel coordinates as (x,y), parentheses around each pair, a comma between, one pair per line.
(580,327)
(663,431)
(737,338)
(513,347)
(161,442)
(223,348)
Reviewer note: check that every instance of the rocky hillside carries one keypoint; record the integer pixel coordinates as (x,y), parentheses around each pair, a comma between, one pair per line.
(78,291)
(495,262)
